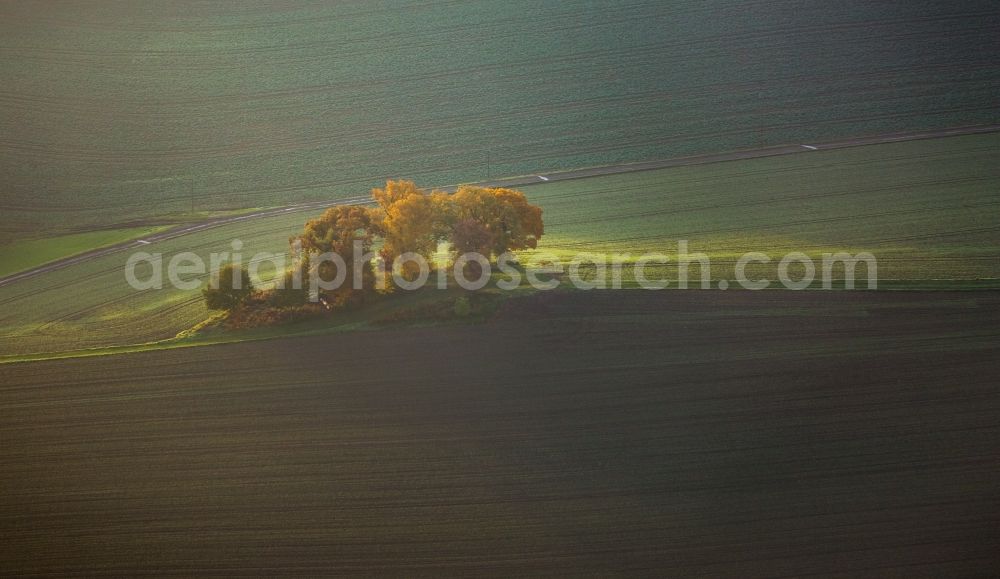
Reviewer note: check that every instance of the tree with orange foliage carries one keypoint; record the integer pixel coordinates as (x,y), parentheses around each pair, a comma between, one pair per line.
(512,223)
(471,236)
(394,192)
(337,231)
(411,220)
(487,221)
(407,221)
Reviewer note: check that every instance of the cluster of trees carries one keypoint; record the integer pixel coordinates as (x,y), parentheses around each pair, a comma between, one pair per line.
(473,219)
(405,220)
(409,220)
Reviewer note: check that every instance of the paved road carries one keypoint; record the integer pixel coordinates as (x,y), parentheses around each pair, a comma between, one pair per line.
(740,155)
(513,182)
(168,234)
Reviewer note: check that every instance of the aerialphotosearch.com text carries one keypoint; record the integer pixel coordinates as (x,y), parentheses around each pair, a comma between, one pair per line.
(542,271)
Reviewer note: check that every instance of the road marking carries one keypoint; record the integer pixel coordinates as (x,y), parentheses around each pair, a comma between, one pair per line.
(143,241)
(810,147)
(542,178)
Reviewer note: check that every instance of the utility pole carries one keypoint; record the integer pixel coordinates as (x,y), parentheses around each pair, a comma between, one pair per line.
(191,187)
(488,165)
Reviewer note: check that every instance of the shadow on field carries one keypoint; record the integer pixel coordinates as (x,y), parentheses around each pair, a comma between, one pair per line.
(669,433)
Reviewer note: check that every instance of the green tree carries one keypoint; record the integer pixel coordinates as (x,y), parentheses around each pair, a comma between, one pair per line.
(233,289)
(462,308)
(287,294)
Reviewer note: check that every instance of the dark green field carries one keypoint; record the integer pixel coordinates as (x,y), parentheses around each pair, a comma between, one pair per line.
(570,433)
(115,111)
(680,434)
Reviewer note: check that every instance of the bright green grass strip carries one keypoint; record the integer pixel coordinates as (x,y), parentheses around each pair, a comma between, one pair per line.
(926,209)
(22,255)
(366,319)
